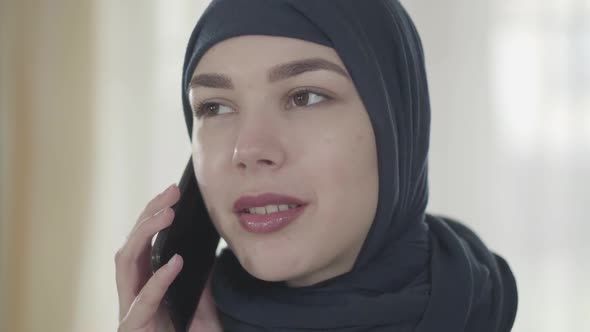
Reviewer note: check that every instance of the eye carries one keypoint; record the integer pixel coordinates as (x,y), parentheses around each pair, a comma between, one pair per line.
(304,98)
(207,109)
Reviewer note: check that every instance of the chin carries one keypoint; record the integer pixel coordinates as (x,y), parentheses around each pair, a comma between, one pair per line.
(272,265)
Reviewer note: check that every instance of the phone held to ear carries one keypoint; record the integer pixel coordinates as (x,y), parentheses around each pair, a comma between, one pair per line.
(193,236)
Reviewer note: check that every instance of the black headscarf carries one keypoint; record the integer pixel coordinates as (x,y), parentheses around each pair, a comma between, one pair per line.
(415,272)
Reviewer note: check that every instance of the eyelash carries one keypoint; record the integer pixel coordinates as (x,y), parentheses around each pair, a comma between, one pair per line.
(200,109)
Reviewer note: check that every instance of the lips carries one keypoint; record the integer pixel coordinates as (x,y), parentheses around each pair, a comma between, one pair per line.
(271,222)
(246,202)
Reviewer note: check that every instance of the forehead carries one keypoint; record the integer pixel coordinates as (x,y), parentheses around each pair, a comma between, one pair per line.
(259,52)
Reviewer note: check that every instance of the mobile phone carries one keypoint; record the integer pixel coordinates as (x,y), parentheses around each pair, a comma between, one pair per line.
(193,236)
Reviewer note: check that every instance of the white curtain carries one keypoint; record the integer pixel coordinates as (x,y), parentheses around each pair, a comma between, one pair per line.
(142,142)
(92,128)
(510,87)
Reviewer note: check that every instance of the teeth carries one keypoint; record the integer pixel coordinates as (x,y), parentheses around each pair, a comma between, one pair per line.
(271,208)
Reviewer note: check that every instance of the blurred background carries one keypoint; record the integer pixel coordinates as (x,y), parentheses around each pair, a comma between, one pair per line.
(91,129)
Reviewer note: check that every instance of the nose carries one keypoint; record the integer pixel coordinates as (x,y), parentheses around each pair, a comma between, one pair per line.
(258,146)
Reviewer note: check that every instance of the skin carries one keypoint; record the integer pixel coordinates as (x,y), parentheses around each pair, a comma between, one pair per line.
(140,292)
(266,135)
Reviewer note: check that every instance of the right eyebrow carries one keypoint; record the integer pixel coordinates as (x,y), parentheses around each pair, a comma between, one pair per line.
(279,72)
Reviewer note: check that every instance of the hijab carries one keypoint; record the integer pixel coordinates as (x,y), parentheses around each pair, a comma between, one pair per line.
(415,271)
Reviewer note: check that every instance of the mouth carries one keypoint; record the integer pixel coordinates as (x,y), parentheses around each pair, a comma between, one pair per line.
(264,223)
(266,203)
(269,212)
(270,209)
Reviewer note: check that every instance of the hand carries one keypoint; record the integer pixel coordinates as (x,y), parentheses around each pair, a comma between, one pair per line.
(141,292)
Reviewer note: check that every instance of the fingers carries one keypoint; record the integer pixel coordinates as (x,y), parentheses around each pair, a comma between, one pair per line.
(144,307)
(166,198)
(132,260)
(141,237)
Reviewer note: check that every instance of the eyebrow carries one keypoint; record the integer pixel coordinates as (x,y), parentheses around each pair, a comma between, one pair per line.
(276,73)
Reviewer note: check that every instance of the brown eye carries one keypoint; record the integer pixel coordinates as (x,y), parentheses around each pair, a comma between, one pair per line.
(211,109)
(207,108)
(306,98)
(301,99)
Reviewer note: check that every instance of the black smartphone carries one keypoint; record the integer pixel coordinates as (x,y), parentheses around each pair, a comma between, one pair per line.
(193,236)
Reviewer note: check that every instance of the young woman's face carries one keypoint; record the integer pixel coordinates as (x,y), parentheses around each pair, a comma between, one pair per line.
(281,115)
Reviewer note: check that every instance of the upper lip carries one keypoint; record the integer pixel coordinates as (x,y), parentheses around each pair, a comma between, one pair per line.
(246,202)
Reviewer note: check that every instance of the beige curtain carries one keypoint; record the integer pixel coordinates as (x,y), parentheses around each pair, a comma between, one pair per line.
(91,129)
(47,156)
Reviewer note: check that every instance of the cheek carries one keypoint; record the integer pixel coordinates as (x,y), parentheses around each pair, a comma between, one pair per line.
(343,171)
(209,153)
(209,162)
(344,167)
(346,155)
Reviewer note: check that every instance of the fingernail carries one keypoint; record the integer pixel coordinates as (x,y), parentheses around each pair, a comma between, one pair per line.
(169,188)
(173,260)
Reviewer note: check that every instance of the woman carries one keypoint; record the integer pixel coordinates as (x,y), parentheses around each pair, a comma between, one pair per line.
(316,112)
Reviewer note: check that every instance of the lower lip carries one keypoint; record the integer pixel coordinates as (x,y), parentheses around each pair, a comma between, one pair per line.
(269,223)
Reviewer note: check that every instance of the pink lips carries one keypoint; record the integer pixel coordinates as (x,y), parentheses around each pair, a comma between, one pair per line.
(267,223)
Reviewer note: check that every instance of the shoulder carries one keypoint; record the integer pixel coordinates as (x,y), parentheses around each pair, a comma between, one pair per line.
(490,275)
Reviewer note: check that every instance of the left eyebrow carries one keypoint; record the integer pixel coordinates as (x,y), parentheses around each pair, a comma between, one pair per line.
(294,68)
